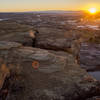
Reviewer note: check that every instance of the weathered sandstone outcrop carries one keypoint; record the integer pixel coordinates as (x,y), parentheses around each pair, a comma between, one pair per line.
(37,74)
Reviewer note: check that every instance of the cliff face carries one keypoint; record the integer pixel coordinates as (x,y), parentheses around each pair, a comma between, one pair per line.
(38,74)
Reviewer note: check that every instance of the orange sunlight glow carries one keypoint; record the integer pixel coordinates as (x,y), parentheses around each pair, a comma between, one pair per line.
(92,10)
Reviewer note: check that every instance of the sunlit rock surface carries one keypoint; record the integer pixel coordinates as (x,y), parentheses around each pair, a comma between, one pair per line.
(37,74)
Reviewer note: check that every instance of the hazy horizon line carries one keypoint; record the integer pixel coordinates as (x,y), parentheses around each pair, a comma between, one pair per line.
(41,11)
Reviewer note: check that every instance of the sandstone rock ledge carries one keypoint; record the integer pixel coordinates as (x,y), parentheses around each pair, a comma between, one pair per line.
(37,74)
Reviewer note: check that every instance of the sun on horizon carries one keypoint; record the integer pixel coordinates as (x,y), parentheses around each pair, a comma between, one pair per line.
(93,10)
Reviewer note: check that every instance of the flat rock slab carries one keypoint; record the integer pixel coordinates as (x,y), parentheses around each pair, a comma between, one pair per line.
(37,74)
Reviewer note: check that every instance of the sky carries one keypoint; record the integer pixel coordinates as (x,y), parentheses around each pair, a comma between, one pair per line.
(39,5)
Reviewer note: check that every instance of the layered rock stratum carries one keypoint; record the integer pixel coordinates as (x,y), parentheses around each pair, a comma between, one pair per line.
(39,74)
